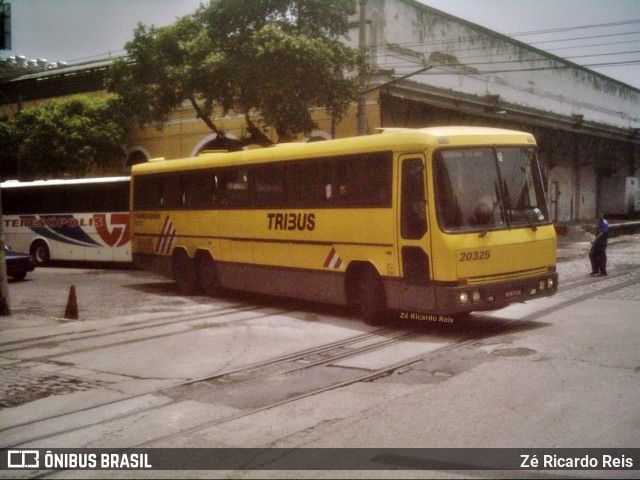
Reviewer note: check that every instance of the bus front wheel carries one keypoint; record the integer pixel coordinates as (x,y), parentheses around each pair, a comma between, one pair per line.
(184,273)
(40,250)
(370,297)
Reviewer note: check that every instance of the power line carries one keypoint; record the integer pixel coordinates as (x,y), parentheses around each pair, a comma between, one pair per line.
(466,40)
(99,55)
(505,61)
(463,40)
(593,45)
(580,27)
(544,31)
(584,38)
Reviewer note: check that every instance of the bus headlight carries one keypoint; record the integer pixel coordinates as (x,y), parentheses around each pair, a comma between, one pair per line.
(464,298)
(550,283)
(475,296)
(542,285)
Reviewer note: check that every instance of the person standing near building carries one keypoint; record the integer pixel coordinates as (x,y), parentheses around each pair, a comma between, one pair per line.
(598,252)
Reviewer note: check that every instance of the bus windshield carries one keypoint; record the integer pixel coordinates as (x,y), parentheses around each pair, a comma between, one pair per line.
(488,188)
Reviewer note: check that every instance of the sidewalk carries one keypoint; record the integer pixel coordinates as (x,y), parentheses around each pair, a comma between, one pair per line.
(576,242)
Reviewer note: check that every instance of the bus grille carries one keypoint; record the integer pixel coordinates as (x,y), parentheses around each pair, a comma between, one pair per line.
(507,276)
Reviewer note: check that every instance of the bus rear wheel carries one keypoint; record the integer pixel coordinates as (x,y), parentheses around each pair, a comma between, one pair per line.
(184,273)
(207,274)
(40,251)
(370,297)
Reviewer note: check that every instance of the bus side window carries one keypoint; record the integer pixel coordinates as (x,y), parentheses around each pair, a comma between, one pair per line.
(378,180)
(362,180)
(172,191)
(268,185)
(147,191)
(199,189)
(235,187)
(217,194)
(306,184)
(98,198)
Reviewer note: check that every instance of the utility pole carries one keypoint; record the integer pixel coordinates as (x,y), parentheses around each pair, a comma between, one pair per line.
(362,69)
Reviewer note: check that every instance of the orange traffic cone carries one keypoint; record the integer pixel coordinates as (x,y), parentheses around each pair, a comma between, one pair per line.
(71,312)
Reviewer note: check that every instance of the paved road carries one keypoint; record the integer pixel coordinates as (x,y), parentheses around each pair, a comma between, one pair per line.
(560,372)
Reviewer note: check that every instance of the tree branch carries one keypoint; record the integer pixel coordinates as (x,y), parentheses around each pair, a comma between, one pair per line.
(204,117)
(256,135)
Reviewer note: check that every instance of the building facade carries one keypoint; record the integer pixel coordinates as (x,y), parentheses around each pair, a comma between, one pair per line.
(586,124)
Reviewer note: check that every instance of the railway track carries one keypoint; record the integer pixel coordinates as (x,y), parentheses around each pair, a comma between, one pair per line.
(298,375)
(621,280)
(184,322)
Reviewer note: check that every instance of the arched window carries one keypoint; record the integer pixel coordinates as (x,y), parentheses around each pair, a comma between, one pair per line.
(317,136)
(135,157)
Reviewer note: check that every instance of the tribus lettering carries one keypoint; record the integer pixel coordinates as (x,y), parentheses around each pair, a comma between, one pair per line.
(292,221)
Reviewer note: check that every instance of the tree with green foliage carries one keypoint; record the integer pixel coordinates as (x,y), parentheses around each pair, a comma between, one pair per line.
(270,61)
(61,136)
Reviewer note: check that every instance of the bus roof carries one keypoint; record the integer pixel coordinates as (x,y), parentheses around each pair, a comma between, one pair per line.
(396,139)
(47,183)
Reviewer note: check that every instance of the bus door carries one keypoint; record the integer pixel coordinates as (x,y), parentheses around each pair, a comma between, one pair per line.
(414,240)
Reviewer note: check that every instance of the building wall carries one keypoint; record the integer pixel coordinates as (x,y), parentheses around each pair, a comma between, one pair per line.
(543,94)
(405,34)
(185,133)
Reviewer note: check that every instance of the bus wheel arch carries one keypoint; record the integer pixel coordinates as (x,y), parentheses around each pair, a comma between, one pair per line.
(184,271)
(41,251)
(365,292)
(207,273)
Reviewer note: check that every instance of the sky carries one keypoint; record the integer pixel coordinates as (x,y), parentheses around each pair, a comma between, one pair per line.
(84,30)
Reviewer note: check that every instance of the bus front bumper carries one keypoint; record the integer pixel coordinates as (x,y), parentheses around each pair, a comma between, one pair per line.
(492,296)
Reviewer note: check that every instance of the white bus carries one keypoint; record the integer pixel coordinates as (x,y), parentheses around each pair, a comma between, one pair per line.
(83,220)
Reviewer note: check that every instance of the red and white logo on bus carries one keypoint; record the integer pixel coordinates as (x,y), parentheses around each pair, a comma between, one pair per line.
(115,233)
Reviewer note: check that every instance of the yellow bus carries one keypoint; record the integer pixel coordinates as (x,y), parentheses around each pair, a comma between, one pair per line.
(431,223)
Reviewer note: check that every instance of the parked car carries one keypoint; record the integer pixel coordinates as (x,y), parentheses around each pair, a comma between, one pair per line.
(19,264)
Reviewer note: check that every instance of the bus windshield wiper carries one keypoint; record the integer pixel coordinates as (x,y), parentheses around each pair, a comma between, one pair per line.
(526,216)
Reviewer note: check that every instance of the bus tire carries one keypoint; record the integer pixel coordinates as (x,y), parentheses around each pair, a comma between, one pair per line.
(207,274)
(370,299)
(184,273)
(40,250)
